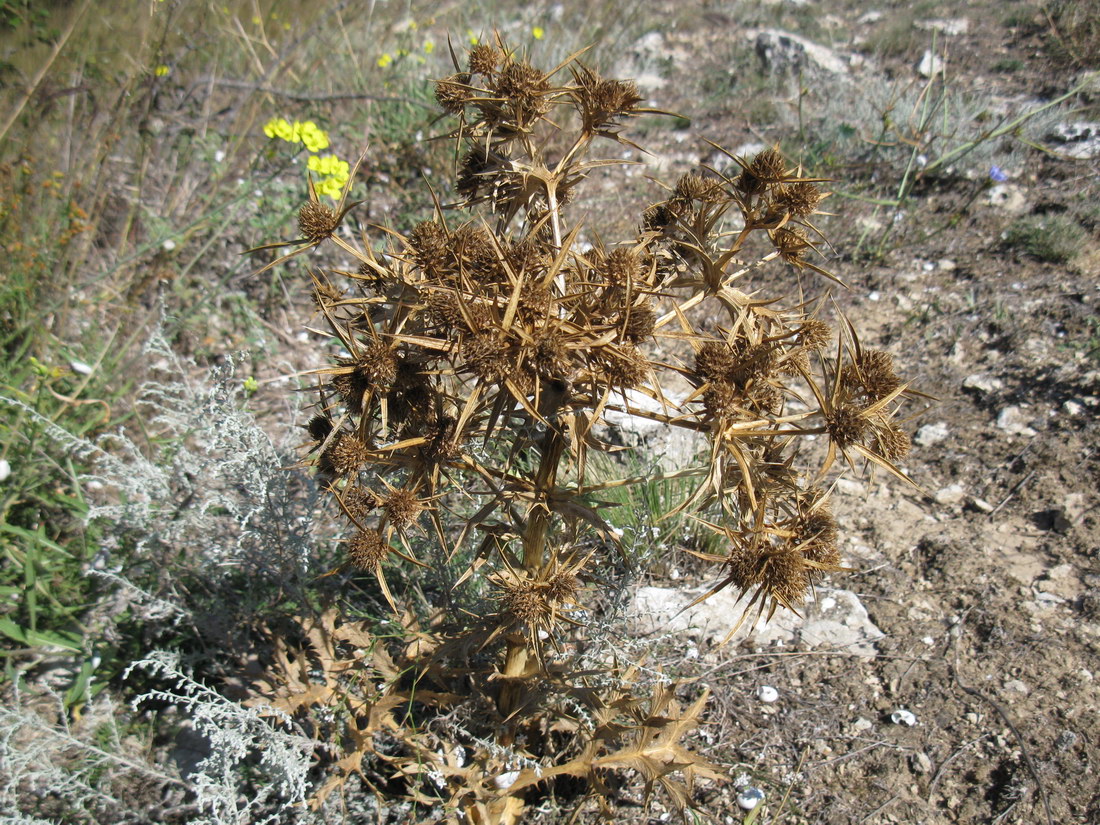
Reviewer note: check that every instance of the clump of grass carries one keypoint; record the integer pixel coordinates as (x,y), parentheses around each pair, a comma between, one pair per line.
(482,350)
(1075,31)
(1055,238)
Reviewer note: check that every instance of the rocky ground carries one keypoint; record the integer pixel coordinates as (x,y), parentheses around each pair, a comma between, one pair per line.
(953,677)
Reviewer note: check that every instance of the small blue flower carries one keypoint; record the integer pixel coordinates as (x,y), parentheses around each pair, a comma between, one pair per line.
(996,173)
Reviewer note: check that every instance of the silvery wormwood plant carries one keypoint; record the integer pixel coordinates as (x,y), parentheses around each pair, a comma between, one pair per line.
(482,351)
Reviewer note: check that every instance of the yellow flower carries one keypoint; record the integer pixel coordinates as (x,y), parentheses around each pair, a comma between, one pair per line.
(385,60)
(473,38)
(429,46)
(278,127)
(161,70)
(537,32)
(330,187)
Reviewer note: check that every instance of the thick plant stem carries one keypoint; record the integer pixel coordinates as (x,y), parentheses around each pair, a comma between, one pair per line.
(517,660)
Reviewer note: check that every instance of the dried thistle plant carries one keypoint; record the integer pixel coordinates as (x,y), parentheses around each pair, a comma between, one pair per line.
(484,348)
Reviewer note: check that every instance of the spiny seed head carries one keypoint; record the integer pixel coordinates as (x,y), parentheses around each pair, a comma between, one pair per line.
(534,300)
(377,366)
(765,170)
(359,501)
(473,173)
(319,427)
(784,576)
(639,323)
(816,534)
(694,186)
(484,58)
(445,312)
(453,93)
(524,87)
(550,356)
(791,243)
(744,567)
(800,199)
(757,362)
(367,549)
(722,401)
(562,587)
(623,368)
(345,455)
(430,246)
(471,246)
(349,390)
(658,217)
(402,508)
(316,221)
(796,362)
(715,362)
(814,334)
(765,399)
(768,166)
(524,600)
(892,441)
(442,444)
(846,425)
(372,278)
(526,256)
(875,373)
(622,266)
(488,356)
(603,100)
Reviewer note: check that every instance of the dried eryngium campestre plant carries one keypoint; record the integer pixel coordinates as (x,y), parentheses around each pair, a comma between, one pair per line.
(483,351)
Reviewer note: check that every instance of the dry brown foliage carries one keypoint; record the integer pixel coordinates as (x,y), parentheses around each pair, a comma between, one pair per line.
(483,354)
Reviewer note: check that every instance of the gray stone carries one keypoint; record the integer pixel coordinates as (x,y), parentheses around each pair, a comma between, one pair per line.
(1008,198)
(952,27)
(982,382)
(781,52)
(1014,421)
(931,434)
(1080,140)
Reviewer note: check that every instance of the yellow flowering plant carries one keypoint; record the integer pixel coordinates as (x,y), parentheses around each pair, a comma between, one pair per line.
(332,171)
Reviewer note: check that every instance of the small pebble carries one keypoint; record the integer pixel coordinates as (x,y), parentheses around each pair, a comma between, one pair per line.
(903,717)
(80,367)
(766,693)
(5,469)
(750,797)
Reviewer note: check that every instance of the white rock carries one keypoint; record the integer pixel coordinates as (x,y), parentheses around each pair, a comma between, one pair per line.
(80,367)
(1013,420)
(930,65)
(952,27)
(903,717)
(1072,408)
(861,725)
(505,779)
(749,798)
(1080,140)
(766,693)
(951,494)
(870,17)
(982,382)
(1008,198)
(5,470)
(931,434)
